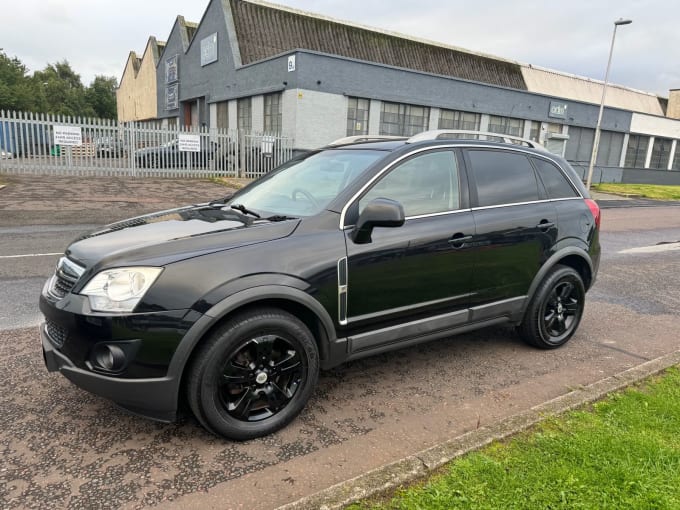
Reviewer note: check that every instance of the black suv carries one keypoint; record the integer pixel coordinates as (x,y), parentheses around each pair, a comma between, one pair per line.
(233,306)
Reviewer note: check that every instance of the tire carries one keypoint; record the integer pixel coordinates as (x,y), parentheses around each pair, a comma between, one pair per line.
(555,310)
(254,374)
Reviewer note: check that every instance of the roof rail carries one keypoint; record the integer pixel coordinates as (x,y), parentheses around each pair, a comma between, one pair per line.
(456,134)
(365,138)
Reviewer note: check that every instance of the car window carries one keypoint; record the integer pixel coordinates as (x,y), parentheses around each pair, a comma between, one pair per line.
(305,187)
(424,184)
(556,184)
(503,177)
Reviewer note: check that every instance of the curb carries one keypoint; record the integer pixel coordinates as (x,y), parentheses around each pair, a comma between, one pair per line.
(420,465)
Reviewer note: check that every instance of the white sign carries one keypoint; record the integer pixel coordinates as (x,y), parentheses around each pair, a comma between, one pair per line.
(267,146)
(291,63)
(68,135)
(189,143)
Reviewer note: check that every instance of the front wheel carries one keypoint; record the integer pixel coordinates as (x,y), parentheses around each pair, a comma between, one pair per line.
(254,375)
(556,309)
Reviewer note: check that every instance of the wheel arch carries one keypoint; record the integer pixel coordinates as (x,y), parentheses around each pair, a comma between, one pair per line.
(294,301)
(574,257)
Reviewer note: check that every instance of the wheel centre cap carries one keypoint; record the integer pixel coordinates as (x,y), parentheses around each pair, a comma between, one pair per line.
(261,378)
(560,309)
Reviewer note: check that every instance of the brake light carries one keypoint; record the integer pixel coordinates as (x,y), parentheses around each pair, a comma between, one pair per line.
(595,209)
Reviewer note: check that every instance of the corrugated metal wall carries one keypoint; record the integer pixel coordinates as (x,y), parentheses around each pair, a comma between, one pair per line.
(264,32)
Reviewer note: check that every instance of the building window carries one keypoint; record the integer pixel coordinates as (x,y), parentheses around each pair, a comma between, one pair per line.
(535,131)
(676,159)
(451,119)
(357,116)
(222,121)
(580,144)
(609,150)
(403,119)
(637,151)
(244,114)
(273,115)
(506,125)
(661,153)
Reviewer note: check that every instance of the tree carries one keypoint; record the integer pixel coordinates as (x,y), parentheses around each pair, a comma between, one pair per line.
(56,89)
(16,87)
(101,97)
(62,91)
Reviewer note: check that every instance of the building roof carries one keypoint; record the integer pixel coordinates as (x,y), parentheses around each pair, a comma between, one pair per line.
(265,30)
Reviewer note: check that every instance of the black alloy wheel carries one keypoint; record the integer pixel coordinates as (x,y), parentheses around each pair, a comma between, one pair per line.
(556,309)
(253,375)
(261,377)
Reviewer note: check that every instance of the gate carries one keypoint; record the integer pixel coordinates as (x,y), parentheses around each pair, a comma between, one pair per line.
(37,144)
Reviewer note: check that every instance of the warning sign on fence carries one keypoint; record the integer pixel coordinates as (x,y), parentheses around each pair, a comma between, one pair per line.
(68,135)
(189,143)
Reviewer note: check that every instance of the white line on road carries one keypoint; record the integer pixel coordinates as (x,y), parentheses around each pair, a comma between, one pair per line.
(658,248)
(29,255)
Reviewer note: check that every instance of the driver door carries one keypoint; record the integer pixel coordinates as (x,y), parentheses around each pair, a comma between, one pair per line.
(425,266)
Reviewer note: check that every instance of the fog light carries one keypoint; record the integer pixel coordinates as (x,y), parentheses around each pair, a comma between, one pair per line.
(108,357)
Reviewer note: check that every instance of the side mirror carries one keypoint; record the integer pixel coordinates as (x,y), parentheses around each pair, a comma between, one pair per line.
(381,212)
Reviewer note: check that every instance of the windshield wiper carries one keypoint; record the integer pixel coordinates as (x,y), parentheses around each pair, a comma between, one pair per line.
(244,210)
(280,217)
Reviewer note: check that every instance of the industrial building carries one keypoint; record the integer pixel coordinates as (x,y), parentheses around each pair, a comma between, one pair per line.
(256,66)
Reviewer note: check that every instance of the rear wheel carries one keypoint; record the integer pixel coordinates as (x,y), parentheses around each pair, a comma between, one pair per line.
(556,309)
(254,375)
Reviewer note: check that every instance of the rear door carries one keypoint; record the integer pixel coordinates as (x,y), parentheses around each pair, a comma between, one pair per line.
(516,226)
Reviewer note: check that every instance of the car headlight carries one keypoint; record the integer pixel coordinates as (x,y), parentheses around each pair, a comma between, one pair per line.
(119,290)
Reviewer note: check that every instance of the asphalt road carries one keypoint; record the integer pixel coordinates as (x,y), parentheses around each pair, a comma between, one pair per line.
(62,447)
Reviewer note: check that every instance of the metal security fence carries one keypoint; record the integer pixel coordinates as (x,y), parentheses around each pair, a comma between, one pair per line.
(59,145)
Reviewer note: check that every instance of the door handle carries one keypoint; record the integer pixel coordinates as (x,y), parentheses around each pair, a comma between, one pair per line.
(545,225)
(459,239)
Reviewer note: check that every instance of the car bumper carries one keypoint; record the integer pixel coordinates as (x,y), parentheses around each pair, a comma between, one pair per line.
(152,398)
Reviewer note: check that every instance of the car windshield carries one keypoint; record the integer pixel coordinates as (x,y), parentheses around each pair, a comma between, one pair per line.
(305,187)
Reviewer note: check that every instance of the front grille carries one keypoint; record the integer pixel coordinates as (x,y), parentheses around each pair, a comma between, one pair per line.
(56,334)
(65,277)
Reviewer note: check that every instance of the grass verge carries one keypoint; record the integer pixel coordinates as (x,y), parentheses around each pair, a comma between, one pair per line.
(655,191)
(622,452)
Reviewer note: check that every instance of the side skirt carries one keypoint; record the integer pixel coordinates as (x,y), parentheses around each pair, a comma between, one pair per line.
(431,328)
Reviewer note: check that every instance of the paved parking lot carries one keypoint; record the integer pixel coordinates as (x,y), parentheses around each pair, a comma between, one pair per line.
(62,447)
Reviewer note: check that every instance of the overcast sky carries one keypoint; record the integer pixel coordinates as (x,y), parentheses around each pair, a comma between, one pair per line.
(95,36)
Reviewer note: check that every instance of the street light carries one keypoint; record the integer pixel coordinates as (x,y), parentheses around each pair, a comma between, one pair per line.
(596,143)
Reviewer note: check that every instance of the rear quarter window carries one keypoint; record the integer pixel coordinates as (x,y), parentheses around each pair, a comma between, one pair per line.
(503,177)
(556,183)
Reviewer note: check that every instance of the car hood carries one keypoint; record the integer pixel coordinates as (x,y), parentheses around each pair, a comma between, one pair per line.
(161,238)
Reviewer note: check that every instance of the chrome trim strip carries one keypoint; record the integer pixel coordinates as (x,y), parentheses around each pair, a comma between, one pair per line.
(342,291)
(510,205)
(72,266)
(406,308)
(464,144)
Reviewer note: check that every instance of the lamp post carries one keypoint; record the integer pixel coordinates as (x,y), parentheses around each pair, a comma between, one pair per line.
(596,142)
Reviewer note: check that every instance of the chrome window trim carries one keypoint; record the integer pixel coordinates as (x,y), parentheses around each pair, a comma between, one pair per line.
(420,216)
(483,208)
(463,145)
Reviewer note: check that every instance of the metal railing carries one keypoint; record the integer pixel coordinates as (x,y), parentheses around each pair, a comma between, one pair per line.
(59,145)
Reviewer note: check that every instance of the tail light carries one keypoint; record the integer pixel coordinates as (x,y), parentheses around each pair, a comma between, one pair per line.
(595,209)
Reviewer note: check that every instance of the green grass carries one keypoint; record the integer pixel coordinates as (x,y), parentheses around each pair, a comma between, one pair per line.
(624,452)
(655,191)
